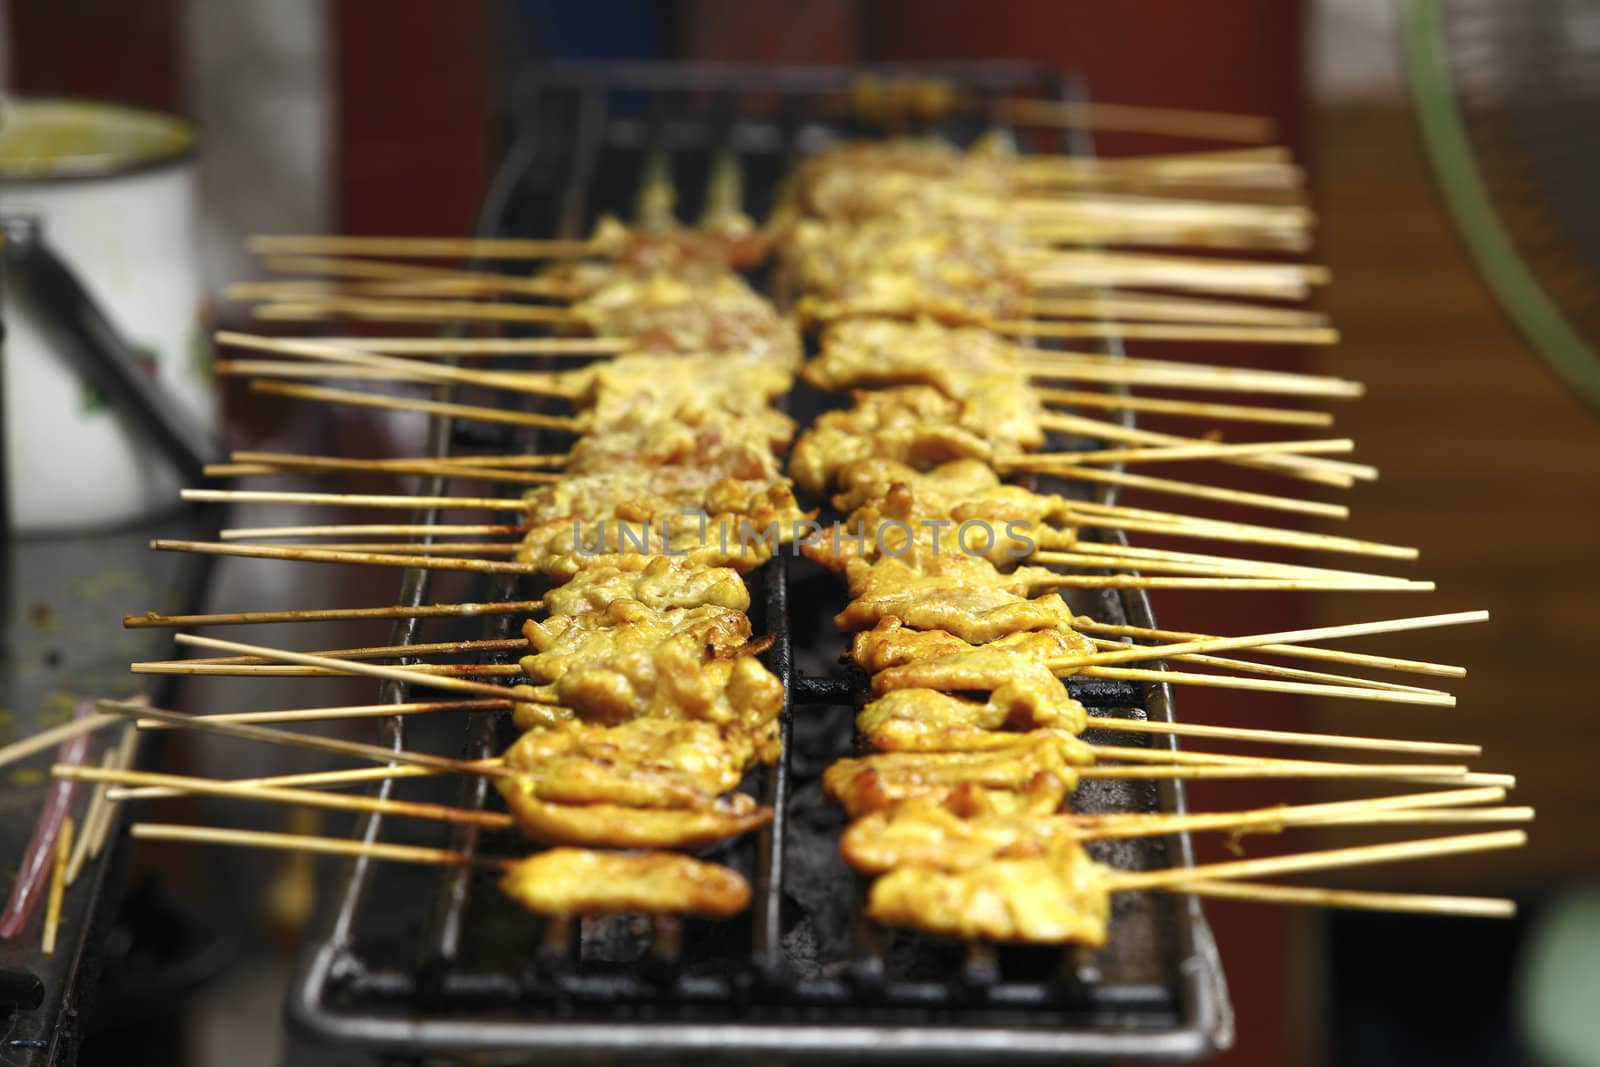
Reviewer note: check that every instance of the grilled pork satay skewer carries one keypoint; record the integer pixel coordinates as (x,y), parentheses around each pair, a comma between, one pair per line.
(508,770)
(1071,892)
(406,557)
(1107,723)
(314,307)
(528,695)
(956,833)
(557,882)
(730,902)
(1345,691)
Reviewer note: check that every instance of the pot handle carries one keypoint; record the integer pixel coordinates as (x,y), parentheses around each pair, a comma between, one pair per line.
(99,352)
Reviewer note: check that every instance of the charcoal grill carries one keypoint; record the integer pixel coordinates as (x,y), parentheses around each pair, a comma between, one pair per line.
(422,963)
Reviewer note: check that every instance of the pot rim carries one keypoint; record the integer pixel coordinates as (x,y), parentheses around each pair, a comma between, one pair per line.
(164,141)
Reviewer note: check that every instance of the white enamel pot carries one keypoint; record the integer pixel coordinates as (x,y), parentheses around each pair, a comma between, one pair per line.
(108,404)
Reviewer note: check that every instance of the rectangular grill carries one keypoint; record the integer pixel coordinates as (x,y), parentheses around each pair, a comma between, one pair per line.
(429,963)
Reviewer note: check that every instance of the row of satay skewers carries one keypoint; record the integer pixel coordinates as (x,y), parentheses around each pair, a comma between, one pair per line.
(649,704)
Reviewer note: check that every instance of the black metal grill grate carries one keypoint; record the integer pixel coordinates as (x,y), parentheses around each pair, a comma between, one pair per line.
(424,963)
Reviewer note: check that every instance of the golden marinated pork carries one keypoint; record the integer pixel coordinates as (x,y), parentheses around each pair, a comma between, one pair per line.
(874,353)
(655,581)
(642,495)
(645,763)
(959,600)
(891,644)
(920,427)
(906,525)
(871,782)
(667,315)
(1025,710)
(934,832)
(566,642)
(673,678)
(733,445)
(946,269)
(606,825)
(575,881)
(1060,898)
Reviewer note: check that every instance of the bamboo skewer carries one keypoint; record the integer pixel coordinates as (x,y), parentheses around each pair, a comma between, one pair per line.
(58,888)
(419,247)
(1184,408)
(1332,655)
(1050,269)
(427,407)
(1359,900)
(1273,670)
(1266,685)
(1198,450)
(1280,737)
(363,500)
(315,372)
(469,549)
(1352,689)
(505,644)
(379,309)
(1140,824)
(1223,582)
(335,746)
(92,814)
(127,749)
(332,846)
(349,711)
(1046,365)
(1086,553)
(1142,520)
(283,670)
(315,289)
(1198,491)
(372,670)
(250,618)
(1318,861)
(51,737)
(1135,307)
(1464,817)
(1284,769)
(369,559)
(1173,122)
(330,266)
(245,533)
(1168,331)
(477,463)
(433,347)
(531,382)
(354,776)
(1164,756)
(419,465)
(1309,468)
(490,820)
(1316,633)
(279,463)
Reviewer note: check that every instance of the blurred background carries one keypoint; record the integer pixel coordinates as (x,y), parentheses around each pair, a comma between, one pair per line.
(380,117)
